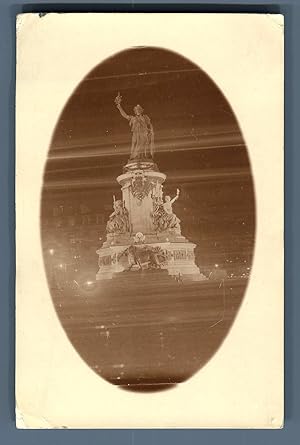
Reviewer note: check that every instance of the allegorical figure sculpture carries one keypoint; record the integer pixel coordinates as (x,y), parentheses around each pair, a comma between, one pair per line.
(118,221)
(163,216)
(144,257)
(142,146)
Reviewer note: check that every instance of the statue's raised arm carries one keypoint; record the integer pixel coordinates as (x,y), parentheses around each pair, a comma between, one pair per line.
(118,101)
(175,197)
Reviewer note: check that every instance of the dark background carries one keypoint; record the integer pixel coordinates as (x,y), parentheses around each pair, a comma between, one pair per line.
(199,147)
(291,9)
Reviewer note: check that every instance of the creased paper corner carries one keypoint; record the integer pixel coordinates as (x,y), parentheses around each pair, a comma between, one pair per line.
(27,421)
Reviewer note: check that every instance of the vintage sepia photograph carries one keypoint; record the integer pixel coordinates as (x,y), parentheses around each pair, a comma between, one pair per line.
(149,202)
(147,218)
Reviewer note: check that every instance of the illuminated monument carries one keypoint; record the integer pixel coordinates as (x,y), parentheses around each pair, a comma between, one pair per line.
(142,231)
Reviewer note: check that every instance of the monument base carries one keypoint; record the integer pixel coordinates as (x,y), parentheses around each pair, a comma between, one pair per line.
(143,232)
(174,254)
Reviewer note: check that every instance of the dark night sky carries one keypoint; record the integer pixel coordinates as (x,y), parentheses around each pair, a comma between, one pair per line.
(180,99)
(197,138)
(186,108)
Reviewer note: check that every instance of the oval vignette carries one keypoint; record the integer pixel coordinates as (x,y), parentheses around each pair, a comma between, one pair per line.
(146,329)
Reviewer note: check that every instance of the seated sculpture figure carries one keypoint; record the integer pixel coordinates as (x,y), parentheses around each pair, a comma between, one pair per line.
(118,221)
(163,216)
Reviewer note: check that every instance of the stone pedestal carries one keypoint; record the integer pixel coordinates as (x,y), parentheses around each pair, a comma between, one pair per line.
(138,187)
(142,247)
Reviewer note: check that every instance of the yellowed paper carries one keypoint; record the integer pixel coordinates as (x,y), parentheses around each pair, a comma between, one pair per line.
(241,386)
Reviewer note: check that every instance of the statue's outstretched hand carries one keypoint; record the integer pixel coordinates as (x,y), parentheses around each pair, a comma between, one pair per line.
(178,191)
(118,99)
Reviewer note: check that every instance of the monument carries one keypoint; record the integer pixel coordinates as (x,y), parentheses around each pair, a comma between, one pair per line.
(143,232)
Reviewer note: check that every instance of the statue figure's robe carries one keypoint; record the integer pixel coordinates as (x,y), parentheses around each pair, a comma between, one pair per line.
(142,137)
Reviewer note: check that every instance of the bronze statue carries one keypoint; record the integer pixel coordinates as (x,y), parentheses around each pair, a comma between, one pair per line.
(142,145)
(144,257)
